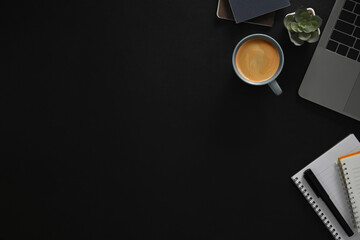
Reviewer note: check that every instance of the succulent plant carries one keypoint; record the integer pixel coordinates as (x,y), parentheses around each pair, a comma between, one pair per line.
(303,26)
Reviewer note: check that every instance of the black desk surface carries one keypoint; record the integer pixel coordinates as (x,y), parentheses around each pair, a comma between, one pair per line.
(125,120)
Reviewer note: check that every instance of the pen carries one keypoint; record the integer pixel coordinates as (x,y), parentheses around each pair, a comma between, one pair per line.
(321,193)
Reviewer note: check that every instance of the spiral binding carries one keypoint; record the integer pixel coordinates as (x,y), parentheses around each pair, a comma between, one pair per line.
(316,208)
(351,197)
(345,189)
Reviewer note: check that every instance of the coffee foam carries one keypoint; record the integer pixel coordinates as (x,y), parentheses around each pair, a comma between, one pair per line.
(257,60)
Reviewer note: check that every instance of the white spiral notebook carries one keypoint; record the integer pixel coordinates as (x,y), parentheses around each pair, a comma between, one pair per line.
(329,175)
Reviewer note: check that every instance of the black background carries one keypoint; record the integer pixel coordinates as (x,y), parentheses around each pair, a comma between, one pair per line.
(125,120)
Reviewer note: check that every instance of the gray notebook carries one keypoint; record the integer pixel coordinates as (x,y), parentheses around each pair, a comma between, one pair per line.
(247,9)
(224,12)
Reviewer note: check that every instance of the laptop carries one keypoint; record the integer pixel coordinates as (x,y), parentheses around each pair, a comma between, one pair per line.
(333,76)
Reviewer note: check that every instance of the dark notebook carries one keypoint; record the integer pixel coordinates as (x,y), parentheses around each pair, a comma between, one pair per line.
(224,12)
(247,9)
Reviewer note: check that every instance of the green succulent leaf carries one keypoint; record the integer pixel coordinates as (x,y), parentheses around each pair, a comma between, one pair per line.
(317,19)
(303,23)
(304,36)
(296,39)
(295,27)
(309,28)
(302,14)
(314,25)
(314,37)
(287,20)
(288,26)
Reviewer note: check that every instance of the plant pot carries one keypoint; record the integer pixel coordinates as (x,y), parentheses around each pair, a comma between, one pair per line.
(312,12)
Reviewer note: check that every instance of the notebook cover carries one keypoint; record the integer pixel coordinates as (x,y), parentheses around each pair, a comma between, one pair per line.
(244,10)
(224,12)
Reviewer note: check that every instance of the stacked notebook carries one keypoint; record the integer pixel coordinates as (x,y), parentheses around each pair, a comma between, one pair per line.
(338,171)
(252,11)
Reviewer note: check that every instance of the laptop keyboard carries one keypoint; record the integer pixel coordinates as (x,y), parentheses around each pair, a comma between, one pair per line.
(345,38)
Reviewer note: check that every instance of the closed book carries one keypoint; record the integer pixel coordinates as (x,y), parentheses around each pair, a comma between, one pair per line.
(244,10)
(224,12)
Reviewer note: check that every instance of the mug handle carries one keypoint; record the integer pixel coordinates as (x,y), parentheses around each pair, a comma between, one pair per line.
(275,87)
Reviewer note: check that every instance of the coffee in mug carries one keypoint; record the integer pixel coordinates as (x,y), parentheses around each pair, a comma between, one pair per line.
(258,60)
